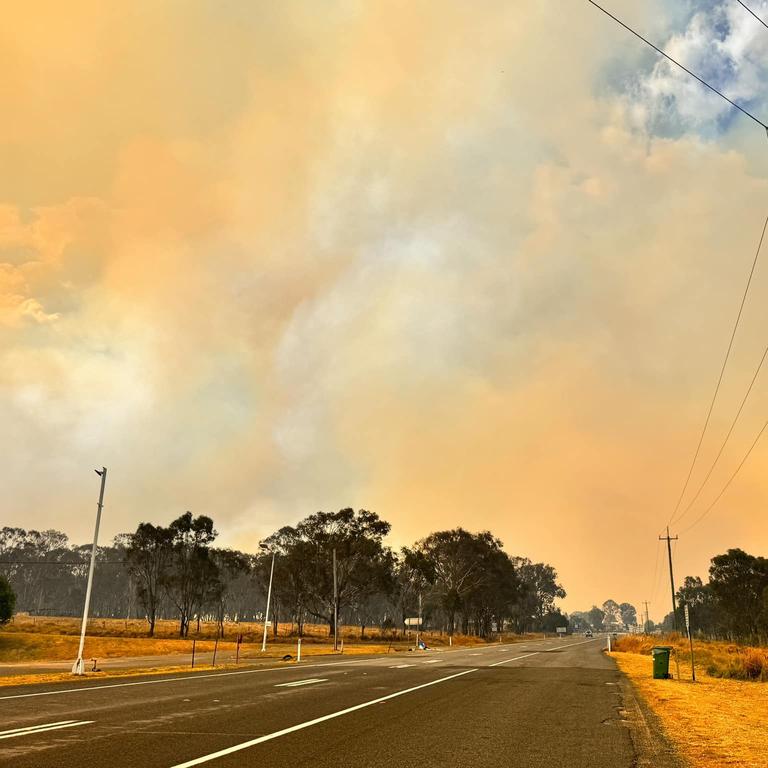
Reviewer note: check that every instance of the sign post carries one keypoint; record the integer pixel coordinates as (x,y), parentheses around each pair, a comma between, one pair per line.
(562,631)
(414,621)
(690,639)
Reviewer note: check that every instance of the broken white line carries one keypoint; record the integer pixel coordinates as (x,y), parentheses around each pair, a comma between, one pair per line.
(309,723)
(42,728)
(302,682)
(517,658)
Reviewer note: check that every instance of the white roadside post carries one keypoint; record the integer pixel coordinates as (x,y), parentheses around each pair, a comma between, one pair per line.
(335,606)
(269,597)
(298,650)
(418,626)
(78,668)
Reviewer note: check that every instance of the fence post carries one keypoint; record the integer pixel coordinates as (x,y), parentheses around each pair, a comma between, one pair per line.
(215,648)
(193,653)
(237,652)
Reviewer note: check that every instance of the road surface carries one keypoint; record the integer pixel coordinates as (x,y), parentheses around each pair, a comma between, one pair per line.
(541,703)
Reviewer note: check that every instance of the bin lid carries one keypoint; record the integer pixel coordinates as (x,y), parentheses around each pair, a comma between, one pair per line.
(661,648)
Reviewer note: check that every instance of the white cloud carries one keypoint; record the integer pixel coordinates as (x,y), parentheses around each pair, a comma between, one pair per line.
(725,46)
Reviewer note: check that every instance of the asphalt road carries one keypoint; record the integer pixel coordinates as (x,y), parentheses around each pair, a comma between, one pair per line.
(542,703)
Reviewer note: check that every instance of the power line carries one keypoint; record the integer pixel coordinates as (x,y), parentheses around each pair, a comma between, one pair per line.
(678,64)
(730,480)
(725,440)
(722,372)
(749,10)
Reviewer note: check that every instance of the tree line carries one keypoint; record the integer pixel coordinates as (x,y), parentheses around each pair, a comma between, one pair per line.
(731,605)
(455,580)
(611,617)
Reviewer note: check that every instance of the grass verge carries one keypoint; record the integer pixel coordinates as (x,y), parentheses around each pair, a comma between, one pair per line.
(717,659)
(714,722)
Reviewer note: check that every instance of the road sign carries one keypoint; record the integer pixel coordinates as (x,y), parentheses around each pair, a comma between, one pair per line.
(687,618)
(412,622)
(562,630)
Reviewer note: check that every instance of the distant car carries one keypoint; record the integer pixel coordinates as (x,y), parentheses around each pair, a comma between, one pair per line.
(588,633)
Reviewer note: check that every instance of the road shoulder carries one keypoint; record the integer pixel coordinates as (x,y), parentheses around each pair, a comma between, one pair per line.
(653,749)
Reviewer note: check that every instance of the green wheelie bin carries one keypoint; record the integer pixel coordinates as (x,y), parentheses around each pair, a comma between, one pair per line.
(660,654)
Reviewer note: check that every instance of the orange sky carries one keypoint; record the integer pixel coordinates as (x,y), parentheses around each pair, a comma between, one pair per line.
(422,258)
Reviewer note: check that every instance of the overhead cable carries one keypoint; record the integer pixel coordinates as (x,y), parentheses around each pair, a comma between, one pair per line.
(749,10)
(678,64)
(730,480)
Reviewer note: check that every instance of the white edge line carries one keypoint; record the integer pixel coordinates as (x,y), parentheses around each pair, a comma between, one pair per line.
(60,691)
(49,728)
(316,721)
(181,678)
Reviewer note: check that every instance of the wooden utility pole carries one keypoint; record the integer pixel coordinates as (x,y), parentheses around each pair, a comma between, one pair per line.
(647,618)
(669,539)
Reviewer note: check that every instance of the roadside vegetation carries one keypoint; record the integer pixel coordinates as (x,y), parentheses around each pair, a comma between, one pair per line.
(720,719)
(34,639)
(713,658)
(458,582)
(713,723)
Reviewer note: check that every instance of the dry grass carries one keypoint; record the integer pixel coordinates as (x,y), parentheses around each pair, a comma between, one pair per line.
(717,659)
(714,722)
(251,631)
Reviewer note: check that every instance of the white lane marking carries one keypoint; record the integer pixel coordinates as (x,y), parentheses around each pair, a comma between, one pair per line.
(568,645)
(61,691)
(401,666)
(33,729)
(432,661)
(178,679)
(545,650)
(316,721)
(302,682)
(517,658)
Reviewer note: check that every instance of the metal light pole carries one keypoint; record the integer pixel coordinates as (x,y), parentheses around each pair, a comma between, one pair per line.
(335,606)
(269,597)
(78,668)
